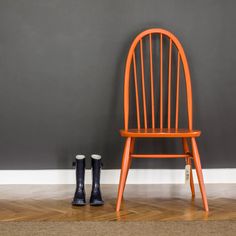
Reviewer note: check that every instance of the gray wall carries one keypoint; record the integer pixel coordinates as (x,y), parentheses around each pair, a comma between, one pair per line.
(61,78)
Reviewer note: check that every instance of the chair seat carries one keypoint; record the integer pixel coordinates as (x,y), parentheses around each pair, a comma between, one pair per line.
(161,133)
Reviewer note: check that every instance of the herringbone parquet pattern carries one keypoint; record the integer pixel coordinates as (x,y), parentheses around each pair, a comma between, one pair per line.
(141,202)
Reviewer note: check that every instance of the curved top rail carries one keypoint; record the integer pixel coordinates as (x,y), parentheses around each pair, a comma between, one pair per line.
(185,67)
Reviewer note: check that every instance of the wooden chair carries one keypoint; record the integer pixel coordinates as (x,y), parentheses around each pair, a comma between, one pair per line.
(153,118)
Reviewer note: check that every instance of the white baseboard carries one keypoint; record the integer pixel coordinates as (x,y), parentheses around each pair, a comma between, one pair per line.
(136,176)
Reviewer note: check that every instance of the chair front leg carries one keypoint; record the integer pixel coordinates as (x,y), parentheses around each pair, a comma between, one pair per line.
(124,172)
(130,160)
(131,152)
(198,167)
(188,162)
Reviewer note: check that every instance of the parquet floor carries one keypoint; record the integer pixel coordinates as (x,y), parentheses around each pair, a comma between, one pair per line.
(141,202)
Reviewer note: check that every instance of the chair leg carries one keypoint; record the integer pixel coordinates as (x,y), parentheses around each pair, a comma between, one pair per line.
(130,159)
(188,162)
(198,167)
(131,152)
(123,172)
(132,145)
(191,178)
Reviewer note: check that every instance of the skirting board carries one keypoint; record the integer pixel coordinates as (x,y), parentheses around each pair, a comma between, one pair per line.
(136,176)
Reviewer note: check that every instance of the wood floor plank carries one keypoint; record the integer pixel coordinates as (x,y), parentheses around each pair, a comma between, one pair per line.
(141,202)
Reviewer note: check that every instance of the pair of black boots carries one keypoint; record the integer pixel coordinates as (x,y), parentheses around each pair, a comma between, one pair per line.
(96,196)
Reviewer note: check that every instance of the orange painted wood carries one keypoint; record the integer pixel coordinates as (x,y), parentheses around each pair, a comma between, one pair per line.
(151,82)
(132,143)
(143,86)
(160,155)
(197,163)
(165,130)
(178,45)
(131,150)
(188,162)
(160,133)
(177,94)
(136,91)
(124,172)
(161,82)
(169,85)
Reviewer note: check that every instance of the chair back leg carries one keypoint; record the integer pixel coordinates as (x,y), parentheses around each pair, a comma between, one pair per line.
(188,162)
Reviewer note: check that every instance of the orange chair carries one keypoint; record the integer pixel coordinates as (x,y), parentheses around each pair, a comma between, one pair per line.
(162,122)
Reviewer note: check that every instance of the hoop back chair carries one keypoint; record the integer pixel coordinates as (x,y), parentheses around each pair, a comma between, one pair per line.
(150,94)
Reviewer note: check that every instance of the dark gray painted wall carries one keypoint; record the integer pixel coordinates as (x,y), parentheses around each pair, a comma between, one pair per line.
(61,73)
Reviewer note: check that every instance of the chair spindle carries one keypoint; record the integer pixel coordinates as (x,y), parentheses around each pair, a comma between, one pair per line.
(151,82)
(143,86)
(169,85)
(136,91)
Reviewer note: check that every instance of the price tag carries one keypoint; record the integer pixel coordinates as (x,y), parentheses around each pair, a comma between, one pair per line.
(187,174)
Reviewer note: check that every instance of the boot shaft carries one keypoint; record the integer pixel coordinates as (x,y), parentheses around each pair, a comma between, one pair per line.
(79,196)
(80,170)
(96,165)
(96,196)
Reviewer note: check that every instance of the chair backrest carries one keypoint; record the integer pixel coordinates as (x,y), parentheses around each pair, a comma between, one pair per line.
(150,92)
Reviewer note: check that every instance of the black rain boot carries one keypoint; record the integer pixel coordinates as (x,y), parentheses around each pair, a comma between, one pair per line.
(96,197)
(79,197)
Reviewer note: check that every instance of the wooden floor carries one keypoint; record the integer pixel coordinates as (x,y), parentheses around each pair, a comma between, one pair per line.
(141,202)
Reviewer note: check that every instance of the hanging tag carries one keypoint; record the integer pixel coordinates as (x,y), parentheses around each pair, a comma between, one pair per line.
(187,174)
